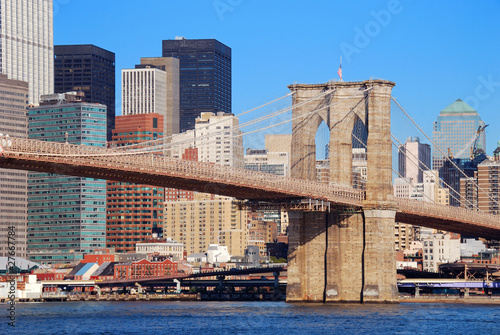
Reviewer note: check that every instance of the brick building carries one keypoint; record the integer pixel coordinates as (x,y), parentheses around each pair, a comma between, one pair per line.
(145,269)
(134,212)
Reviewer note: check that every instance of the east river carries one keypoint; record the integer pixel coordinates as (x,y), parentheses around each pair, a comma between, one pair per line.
(275,318)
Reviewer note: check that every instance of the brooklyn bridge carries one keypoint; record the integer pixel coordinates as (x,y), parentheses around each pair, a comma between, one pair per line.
(340,251)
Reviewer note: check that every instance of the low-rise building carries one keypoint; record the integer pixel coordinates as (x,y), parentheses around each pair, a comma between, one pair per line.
(162,247)
(217,254)
(106,271)
(470,247)
(100,256)
(22,286)
(439,249)
(86,271)
(145,269)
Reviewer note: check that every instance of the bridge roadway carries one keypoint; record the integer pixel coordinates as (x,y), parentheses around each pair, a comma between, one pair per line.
(158,170)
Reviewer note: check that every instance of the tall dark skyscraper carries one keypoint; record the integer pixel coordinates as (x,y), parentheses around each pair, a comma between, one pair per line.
(205,77)
(89,69)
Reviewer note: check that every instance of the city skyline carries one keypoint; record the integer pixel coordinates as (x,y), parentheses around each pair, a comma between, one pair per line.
(435,53)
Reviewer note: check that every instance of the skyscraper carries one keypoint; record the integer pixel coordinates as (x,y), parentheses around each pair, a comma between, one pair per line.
(171,67)
(26,44)
(205,77)
(90,69)
(153,87)
(13,183)
(455,126)
(414,158)
(144,91)
(134,212)
(66,214)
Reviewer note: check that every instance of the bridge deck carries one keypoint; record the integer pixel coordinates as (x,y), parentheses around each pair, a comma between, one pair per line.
(154,169)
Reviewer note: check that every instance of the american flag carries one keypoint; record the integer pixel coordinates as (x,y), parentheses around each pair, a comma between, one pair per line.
(339,72)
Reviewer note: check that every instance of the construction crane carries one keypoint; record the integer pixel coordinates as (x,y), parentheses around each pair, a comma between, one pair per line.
(471,143)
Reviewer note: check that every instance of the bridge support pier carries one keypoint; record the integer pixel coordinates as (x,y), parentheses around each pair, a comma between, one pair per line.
(325,257)
(344,256)
(379,269)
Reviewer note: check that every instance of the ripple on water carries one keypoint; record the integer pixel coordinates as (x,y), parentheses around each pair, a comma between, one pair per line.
(274,318)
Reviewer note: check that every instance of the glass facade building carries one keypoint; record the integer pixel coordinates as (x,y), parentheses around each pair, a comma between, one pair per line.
(205,77)
(90,69)
(66,215)
(455,126)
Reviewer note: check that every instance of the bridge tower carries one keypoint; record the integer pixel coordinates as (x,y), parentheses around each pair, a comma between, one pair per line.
(346,255)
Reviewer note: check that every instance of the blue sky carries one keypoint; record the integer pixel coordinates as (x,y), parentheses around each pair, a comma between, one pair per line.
(435,51)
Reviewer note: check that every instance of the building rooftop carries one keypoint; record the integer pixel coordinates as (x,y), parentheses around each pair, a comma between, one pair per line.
(84,269)
(458,107)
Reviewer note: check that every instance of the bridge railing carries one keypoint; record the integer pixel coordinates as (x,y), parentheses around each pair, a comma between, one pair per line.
(163,165)
(439,211)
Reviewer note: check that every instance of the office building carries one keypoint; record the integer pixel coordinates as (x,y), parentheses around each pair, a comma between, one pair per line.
(144,91)
(90,69)
(205,77)
(414,158)
(456,125)
(27,44)
(14,183)
(134,211)
(171,67)
(66,214)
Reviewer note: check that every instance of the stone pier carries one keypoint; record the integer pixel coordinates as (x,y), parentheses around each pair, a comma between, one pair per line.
(346,255)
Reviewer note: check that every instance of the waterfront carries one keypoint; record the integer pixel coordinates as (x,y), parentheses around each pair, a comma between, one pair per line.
(251,318)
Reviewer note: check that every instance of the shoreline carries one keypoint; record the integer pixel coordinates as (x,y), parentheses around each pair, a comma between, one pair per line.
(476,300)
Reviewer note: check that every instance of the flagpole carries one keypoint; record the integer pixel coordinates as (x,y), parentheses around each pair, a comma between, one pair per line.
(339,72)
(341,68)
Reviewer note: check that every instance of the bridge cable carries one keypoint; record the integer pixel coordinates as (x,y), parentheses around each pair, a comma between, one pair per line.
(237,127)
(171,136)
(137,152)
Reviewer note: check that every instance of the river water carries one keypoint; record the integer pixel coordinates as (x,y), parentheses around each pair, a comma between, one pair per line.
(275,318)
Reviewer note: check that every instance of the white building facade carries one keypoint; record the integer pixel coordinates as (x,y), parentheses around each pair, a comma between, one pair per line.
(217,254)
(439,249)
(217,139)
(27,44)
(277,163)
(166,248)
(144,91)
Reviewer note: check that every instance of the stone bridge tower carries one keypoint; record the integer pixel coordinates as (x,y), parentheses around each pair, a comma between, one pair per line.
(346,255)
